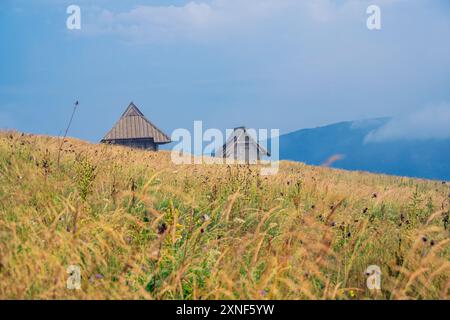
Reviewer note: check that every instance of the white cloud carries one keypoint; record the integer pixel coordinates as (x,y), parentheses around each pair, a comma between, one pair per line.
(197,20)
(428,123)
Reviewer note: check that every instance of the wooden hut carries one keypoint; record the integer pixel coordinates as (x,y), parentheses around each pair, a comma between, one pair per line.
(241,146)
(134,130)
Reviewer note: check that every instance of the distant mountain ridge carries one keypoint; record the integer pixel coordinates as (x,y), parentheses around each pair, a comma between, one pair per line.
(343,146)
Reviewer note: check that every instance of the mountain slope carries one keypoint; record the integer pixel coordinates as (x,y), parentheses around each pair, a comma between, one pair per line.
(345,141)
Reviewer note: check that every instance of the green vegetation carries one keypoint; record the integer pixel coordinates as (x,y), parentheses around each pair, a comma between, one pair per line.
(141,227)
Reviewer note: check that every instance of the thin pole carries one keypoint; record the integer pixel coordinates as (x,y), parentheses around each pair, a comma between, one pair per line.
(67,130)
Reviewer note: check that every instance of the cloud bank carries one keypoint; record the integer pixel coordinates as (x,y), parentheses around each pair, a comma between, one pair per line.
(428,123)
(219,18)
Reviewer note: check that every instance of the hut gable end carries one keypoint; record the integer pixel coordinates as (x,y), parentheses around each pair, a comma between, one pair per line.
(135,130)
(242,146)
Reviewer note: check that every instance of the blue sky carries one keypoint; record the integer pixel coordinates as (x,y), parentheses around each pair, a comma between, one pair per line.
(286,64)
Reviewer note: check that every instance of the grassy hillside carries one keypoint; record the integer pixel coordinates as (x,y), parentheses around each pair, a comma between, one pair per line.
(140,227)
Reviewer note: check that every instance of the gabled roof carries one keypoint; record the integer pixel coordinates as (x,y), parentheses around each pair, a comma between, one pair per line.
(240,136)
(134,125)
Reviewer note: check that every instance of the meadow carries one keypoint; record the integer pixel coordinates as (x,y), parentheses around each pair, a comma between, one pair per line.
(140,227)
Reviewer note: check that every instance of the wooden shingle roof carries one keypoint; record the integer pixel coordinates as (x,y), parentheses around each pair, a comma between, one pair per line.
(240,136)
(134,125)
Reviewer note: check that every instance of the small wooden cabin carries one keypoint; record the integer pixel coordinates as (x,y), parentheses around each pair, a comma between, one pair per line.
(241,146)
(134,130)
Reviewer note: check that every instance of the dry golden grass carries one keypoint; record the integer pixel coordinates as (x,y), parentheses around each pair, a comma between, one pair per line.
(142,228)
